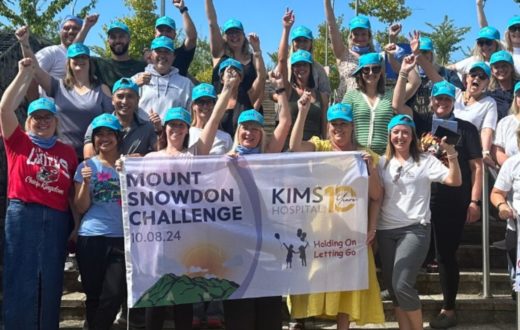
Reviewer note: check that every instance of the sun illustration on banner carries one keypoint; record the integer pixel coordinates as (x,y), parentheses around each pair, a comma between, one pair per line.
(204,280)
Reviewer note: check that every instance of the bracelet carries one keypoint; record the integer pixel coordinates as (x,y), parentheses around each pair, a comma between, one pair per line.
(183,10)
(485,153)
(499,204)
(476,202)
(452,156)
(279,90)
(257,52)
(403,75)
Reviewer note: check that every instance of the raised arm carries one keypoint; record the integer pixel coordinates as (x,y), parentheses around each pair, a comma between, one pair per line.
(13,96)
(283,47)
(257,89)
(427,66)
(207,136)
(481,15)
(338,47)
(42,78)
(82,193)
(187,23)
(400,90)
(88,23)
(296,142)
(216,42)
(281,131)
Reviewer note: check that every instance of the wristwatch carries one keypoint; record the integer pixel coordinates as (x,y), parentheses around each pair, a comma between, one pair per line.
(476,202)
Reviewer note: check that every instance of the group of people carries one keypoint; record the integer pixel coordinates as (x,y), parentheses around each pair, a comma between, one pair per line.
(86,112)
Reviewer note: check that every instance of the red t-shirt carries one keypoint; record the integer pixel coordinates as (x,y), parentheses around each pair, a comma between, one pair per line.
(36,175)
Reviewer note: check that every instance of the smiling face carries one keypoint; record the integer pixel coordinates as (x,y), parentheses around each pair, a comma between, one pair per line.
(165,30)
(162,59)
(487,47)
(125,102)
(176,132)
(79,63)
(340,133)
(249,134)
(301,70)
(513,35)
(442,105)
(401,137)
(202,108)
(477,81)
(371,74)
(502,70)
(42,123)
(68,32)
(302,43)
(235,38)
(105,140)
(360,37)
(118,40)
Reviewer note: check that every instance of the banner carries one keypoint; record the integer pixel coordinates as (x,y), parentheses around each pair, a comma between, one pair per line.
(214,228)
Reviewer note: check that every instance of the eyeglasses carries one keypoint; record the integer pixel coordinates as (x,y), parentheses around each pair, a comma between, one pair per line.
(485,42)
(514,28)
(43,118)
(480,75)
(371,69)
(203,102)
(397,174)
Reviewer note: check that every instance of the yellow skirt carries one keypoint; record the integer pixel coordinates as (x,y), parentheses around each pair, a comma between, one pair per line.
(362,306)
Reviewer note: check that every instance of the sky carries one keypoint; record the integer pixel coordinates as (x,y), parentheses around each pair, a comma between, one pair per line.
(264,16)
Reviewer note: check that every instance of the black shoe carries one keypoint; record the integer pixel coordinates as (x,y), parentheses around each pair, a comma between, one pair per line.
(443,321)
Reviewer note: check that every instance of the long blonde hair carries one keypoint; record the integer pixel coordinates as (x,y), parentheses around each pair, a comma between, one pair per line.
(415,151)
(262,142)
(478,54)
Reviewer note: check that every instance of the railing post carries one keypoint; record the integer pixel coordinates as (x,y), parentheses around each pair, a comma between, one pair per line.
(486,287)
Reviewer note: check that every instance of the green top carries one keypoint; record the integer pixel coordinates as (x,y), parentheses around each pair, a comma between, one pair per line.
(371,124)
(109,70)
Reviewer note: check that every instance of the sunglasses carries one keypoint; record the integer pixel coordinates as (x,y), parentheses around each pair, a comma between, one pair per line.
(480,75)
(397,174)
(204,102)
(514,28)
(485,42)
(371,69)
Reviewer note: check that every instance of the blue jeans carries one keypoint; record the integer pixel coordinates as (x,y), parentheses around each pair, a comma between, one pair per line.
(34,257)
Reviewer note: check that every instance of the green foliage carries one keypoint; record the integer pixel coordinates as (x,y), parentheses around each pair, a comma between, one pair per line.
(382,38)
(40,15)
(387,11)
(445,37)
(202,67)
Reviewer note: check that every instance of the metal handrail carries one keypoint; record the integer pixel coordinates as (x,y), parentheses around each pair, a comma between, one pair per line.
(486,276)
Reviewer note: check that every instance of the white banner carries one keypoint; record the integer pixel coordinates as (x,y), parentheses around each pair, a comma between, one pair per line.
(213,228)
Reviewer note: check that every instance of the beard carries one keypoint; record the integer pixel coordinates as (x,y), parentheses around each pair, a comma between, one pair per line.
(119,50)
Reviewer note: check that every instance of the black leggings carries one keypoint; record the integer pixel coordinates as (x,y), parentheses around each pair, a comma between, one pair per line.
(182,317)
(253,313)
(448,226)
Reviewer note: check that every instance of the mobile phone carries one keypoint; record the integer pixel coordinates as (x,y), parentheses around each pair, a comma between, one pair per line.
(451,137)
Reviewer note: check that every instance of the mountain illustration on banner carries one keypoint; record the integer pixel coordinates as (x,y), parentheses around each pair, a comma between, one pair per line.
(171,289)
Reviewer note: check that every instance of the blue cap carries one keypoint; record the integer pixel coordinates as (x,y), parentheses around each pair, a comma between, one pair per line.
(177,113)
(203,90)
(77,49)
(233,24)
(301,56)
(501,56)
(517,87)
(341,111)
(251,116)
(401,120)
(513,21)
(301,32)
(482,66)
(489,32)
(162,42)
(41,104)
(125,83)
(368,59)
(359,21)
(232,63)
(107,120)
(165,20)
(73,18)
(426,44)
(118,25)
(443,88)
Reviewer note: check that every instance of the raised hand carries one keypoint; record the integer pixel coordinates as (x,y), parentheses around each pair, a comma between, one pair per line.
(143,78)
(288,18)
(26,65)
(276,79)
(231,78)
(179,4)
(414,42)
(155,119)
(22,34)
(408,63)
(390,48)
(91,20)
(394,30)
(254,40)
(86,173)
(304,102)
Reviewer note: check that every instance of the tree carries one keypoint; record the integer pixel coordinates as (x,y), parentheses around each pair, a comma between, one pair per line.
(41,18)
(387,11)
(445,37)
(202,66)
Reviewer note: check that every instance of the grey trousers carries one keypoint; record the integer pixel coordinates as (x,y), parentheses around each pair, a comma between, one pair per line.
(402,252)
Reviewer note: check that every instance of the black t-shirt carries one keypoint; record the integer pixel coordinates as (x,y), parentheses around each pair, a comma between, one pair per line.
(468,148)
(183,59)
(109,71)
(503,99)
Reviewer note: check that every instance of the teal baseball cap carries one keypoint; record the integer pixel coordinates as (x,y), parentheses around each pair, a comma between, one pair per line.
(117,25)
(515,20)
(73,18)
(232,24)
(203,90)
(108,121)
(401,120)
(301,56)
(489,32)
(232,63)
(41,104)
(443,88)
(125,83)
(501,56)
(251,115)
(368,59)
(340,111)
(165,20)
(517,87)
(301,32)
(162,42)
(425,44)
(77,49)
(482,66)
(177,113)
(359,22)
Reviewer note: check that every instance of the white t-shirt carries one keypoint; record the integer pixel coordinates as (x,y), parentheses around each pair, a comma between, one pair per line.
(407,190)
(508,179)
(221,145)
(505,135)
(516,59)
(482,114)
(53,60)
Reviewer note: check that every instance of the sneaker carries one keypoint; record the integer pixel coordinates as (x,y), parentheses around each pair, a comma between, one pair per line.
(443,321)
(385,295)
(214,322)
(500,245)
(432,267)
